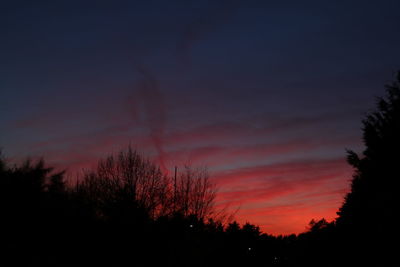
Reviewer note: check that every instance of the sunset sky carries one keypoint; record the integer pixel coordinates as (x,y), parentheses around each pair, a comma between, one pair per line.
(266,94)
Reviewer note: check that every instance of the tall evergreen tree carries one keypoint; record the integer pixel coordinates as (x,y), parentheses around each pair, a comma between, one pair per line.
(367,219)
(374,189)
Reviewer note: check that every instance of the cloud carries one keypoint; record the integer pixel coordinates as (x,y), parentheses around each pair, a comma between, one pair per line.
(288,219)
(262,126)
(150,110)
(285,196)
(306,169)
(254,161)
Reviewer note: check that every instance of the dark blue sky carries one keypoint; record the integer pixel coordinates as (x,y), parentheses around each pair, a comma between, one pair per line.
(268,95)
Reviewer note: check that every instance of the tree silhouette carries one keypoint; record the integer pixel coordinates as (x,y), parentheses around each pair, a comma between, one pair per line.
(315,225)
(125,184)
(368,214)
(130,182)
(33,207)
(127,212)
(374,188)
(195,194)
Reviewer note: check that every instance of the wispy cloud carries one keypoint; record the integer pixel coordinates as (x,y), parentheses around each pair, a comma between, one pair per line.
(150,109)
(271,194)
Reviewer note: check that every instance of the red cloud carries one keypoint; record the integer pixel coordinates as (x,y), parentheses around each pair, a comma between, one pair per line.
(284,171)
(284,197)
(288,219)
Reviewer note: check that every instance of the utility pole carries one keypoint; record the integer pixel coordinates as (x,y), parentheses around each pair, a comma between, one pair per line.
(176,170)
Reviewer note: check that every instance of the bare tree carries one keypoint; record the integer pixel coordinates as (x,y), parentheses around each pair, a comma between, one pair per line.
(131,180)
(195,193)
(130,176)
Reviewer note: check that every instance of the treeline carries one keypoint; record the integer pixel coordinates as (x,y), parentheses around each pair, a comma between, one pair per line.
(126,212)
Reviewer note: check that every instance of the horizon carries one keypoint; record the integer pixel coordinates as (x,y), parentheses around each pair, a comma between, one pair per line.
(267,96)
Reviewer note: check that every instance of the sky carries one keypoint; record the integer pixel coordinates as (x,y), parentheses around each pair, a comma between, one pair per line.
(268,95)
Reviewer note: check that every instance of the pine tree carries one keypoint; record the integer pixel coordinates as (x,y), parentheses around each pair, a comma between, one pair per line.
(374,190)
(367,224)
